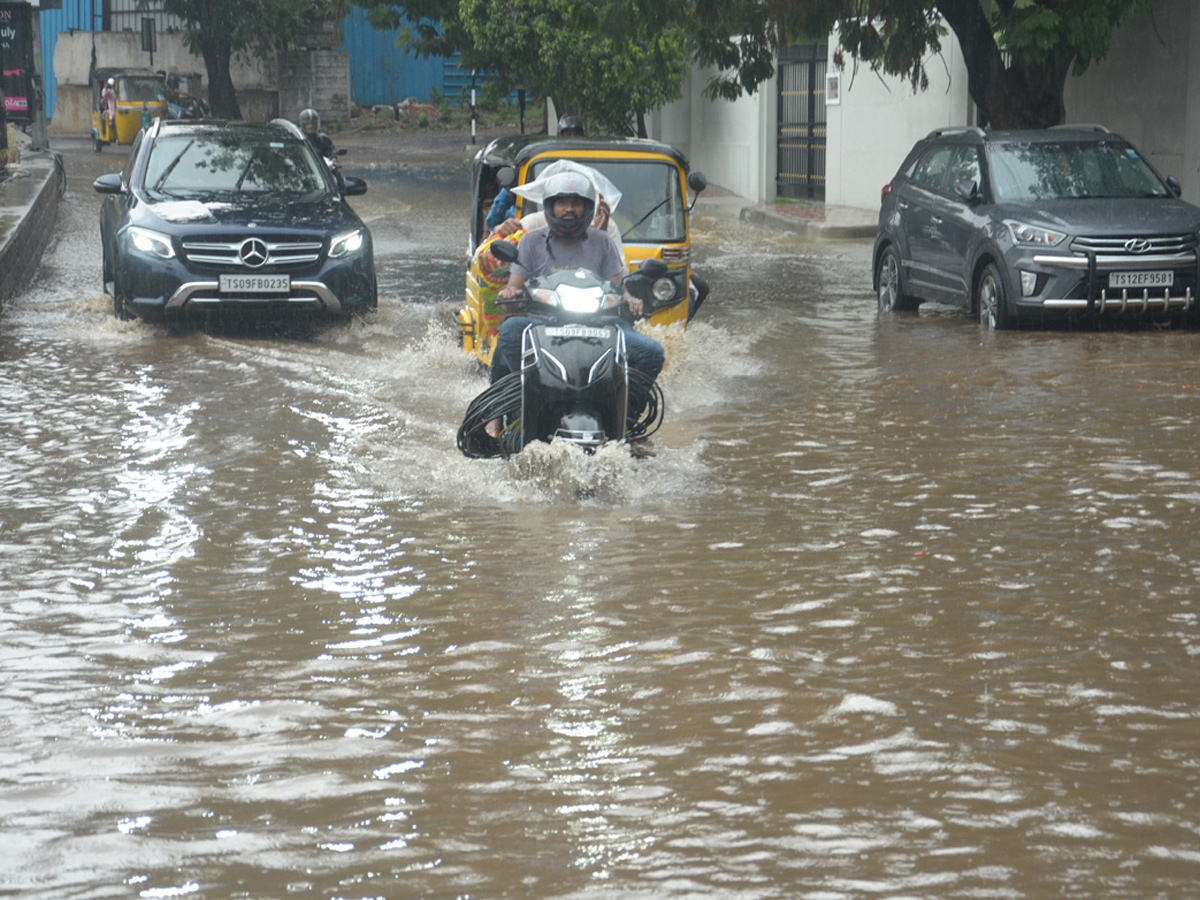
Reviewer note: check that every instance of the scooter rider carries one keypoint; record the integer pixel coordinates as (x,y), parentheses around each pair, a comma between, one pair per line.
(569,242)
(310,124)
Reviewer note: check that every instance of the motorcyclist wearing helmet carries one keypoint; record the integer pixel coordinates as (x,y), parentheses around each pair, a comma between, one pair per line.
(568,241)
(570,125)
(310,124)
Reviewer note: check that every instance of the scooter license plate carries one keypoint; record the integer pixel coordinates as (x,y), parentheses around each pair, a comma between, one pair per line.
(256,284)
(576,331)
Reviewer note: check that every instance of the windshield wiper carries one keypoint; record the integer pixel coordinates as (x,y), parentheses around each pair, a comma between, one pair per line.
(171,168)
(661,203)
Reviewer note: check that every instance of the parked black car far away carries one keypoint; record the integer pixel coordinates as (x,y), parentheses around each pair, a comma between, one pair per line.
(1035,226)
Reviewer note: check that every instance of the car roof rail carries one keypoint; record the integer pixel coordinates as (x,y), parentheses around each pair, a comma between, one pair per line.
(1085,126)
(956,129)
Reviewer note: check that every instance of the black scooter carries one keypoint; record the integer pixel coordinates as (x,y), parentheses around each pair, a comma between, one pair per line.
(574,383)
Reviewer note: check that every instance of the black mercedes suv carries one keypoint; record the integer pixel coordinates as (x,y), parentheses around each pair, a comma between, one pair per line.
(210,215)
(1013,225)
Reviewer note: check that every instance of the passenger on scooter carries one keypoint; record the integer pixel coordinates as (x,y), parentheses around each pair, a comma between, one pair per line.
(605,190)
(568,242)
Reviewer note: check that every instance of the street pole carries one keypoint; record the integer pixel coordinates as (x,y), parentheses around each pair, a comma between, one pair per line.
(38,138)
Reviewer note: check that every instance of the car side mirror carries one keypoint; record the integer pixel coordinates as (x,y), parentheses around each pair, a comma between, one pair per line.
(968,190)
(353,187)
(109,184)
(1175,186)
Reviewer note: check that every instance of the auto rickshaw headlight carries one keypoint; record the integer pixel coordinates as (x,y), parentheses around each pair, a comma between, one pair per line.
(345,244)
(664,289)
(151,243)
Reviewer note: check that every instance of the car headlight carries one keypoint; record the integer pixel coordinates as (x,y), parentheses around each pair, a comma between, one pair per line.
(1026,235)
(151,243)
(345,244)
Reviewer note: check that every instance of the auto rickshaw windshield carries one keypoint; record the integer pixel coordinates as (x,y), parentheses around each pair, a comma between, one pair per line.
(140,89)
(651,207)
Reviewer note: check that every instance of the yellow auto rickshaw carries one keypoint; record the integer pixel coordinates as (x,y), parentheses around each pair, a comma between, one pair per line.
(652,216)
(139,98)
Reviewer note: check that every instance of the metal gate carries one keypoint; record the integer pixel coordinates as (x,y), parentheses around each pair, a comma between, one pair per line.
(801,141)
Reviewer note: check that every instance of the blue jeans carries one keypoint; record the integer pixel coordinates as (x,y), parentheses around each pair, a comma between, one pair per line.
(645,353)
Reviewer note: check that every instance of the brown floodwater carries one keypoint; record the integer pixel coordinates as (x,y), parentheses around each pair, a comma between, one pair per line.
(901,609)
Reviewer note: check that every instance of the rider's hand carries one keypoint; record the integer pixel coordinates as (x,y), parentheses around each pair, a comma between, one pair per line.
(635,305)
(507,227)
(603,211)
(508,293)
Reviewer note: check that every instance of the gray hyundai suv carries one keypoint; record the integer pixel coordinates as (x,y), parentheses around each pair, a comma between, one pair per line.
(1032,225)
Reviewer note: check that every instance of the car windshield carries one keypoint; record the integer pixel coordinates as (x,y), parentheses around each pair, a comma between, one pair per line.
(651,207)
(203,163)
(1071,170)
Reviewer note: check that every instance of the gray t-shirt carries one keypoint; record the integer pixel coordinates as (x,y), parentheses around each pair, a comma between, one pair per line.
(540,254)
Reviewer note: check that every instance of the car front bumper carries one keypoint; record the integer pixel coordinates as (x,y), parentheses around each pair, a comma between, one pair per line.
(158,289)
(1080,282)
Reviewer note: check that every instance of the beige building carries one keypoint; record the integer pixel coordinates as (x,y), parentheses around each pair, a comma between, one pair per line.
(1141,90)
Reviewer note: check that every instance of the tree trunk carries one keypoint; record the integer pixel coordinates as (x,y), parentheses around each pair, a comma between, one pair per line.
(1028,96)
(222,96)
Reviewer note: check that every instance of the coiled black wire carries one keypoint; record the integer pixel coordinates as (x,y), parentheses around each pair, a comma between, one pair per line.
(500,400)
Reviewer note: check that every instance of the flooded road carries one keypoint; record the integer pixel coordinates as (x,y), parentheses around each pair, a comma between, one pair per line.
(900,610)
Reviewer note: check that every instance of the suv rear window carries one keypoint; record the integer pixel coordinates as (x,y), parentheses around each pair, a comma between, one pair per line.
(1071,170)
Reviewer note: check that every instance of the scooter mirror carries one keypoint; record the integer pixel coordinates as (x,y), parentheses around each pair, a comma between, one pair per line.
(505,251)
(652,268)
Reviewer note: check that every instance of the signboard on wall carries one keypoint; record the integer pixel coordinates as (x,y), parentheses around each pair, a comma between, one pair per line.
(16,63)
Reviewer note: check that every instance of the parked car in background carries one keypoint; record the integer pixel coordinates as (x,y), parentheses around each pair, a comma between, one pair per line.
(210,215)
(1013,225)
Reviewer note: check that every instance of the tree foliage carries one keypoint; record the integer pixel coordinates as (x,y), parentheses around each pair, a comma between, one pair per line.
(609,59)
(1018,53)
(216,30)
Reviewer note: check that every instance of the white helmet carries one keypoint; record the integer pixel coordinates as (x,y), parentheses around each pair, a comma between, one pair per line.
(569,184)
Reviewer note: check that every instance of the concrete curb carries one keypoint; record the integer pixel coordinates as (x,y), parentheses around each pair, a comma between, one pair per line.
(28,206)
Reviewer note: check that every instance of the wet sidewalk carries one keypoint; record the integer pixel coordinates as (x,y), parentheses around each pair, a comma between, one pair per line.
(804,218)
(29,193)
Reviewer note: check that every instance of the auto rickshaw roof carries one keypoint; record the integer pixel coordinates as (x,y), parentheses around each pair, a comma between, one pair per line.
(99,76)
(516,151)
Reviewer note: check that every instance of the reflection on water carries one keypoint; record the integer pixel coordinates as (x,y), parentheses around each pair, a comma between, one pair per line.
(900,609)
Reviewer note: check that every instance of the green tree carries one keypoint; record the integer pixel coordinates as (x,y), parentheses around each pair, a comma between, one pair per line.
(610,61)
(1018,53)
(218,29)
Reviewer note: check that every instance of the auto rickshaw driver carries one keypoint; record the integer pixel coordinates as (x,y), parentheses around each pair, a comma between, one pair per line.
(108,109)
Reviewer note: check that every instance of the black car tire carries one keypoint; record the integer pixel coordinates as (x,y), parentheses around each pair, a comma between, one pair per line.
(106,274)
(891,297)
(119,310)
(990,300)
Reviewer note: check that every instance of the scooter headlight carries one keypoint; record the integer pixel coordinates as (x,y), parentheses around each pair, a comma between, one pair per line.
(664,289)
(346,244)
(151,243)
